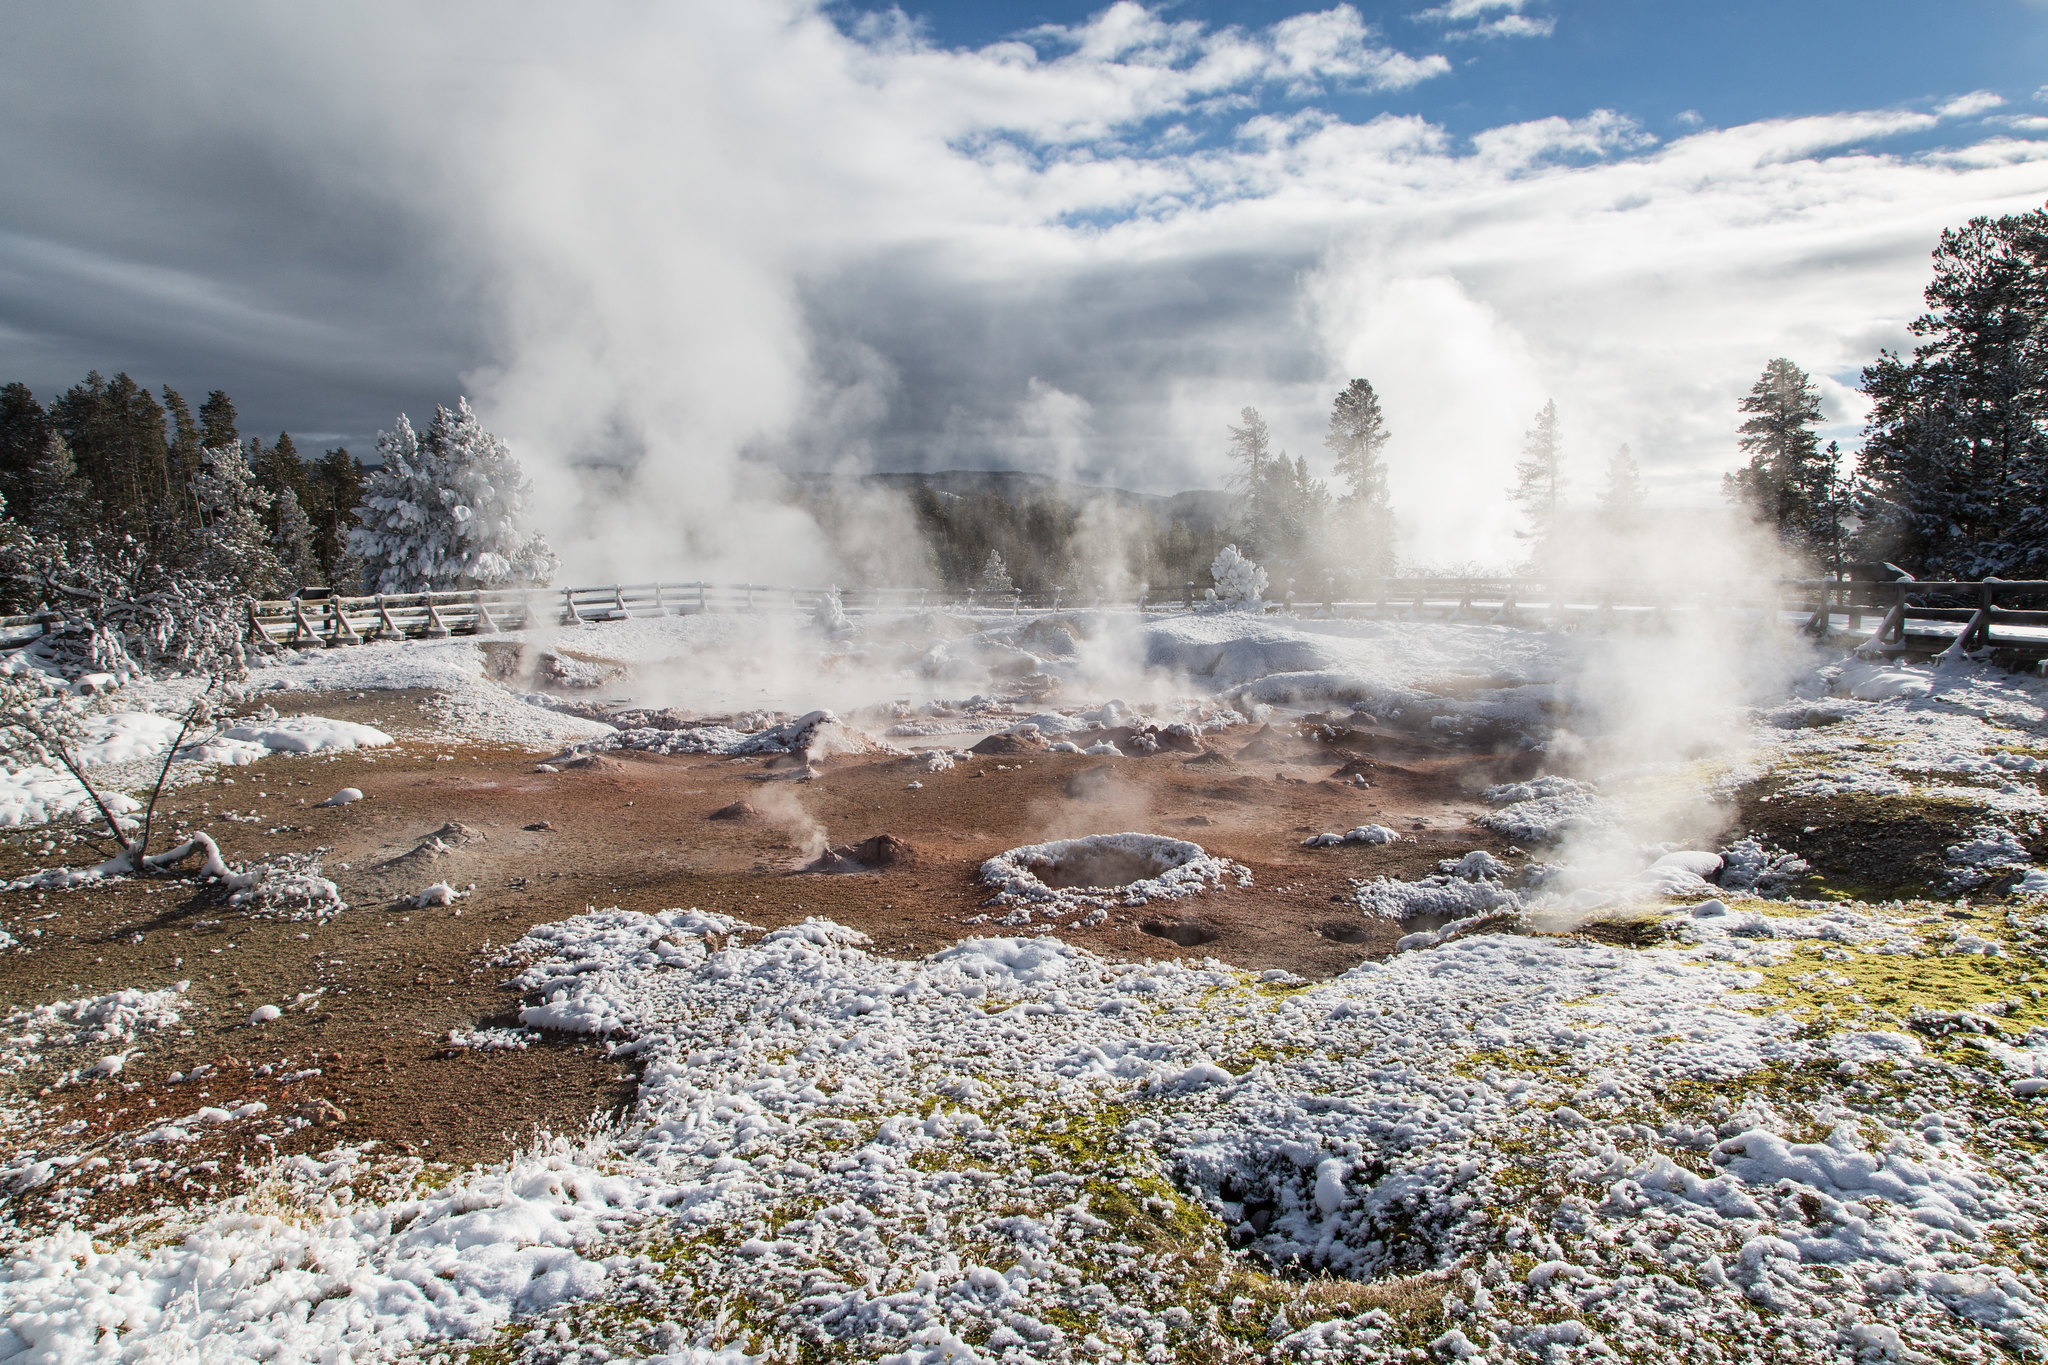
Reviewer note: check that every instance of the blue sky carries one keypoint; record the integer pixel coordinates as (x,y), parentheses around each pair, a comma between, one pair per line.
(693,241)
(1733,61)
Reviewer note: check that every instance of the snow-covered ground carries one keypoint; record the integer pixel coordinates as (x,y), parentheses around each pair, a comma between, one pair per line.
(132,745)
(1014,1150)
(1782,1131)
(726,664)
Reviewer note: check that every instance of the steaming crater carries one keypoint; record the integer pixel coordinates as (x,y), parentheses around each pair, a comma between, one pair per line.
(1103,870)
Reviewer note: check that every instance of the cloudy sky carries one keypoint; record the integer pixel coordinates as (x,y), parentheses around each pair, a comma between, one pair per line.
(682,239)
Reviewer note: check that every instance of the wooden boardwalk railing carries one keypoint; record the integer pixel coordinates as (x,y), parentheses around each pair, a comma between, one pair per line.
(1893,617)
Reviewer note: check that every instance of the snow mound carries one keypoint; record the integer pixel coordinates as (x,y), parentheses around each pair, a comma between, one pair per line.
(1445,897)
(1679,874)
(34,795)
(1865,681)
(1536,788)
(308,735)
(1989,852)
(1746,865)
(585,963)
(1104,870)
(1543,810)
(126,737)
(1363,834)
(94,1021)
(1475,866)
(816,733)
(288,886)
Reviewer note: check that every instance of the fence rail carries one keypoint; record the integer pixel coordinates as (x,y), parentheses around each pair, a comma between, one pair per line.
(1898,617)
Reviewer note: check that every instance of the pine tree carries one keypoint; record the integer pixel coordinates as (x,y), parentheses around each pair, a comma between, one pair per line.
(1238,580)
(1250,447)
(217,421)
(291,540)
(1358,433)
(995,576)
(115,429)
(1788,481)
(1835,508)
(1955,456)
(1621,503)
(1281,507)
(1296,511)
(59,501)
(447,511)
(24,430)
(394,527)
(1539,480)
(233,542)
(334,485)
(186,442)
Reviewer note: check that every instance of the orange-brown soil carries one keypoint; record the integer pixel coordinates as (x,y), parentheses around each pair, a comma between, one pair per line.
(386,983)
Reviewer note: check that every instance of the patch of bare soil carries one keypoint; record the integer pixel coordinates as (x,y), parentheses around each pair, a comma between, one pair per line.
(361,1052)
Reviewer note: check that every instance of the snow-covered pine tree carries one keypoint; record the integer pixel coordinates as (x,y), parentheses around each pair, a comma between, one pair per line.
(394,520)
(485,498)
(233,544)
(1539,480)
(447,511)
(1358,433)
(995,576)
(1238,580)
(1621,502)
(1955,456)
(58,497)
(292,542)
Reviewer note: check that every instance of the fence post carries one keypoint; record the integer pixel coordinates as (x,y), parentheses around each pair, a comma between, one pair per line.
(255,624)
(569,615)
(484,624)
(303,632)
(343,633)
(437,629)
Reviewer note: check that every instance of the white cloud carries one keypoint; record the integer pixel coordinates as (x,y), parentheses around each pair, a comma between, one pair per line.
(1508,26)
(1502,19)
(696,234)
(1457,11)
(1970,105)
(1336,46)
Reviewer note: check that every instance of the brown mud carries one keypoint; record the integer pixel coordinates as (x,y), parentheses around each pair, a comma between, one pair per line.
(370,997)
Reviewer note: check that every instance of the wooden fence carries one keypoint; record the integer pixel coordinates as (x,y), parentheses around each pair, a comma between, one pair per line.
(1893,617)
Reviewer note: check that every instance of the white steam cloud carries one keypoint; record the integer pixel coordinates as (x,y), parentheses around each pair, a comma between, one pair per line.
(691,241)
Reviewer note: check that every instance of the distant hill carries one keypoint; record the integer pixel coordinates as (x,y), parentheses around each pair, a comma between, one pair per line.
(1202,509)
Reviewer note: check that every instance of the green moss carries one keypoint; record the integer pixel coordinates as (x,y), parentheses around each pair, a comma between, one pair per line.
(1858,990)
